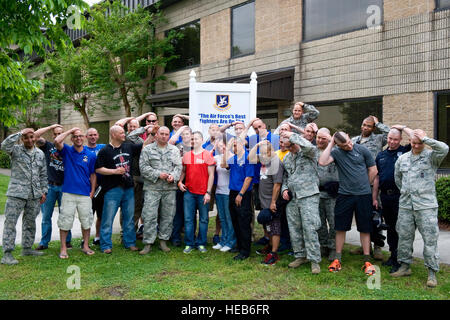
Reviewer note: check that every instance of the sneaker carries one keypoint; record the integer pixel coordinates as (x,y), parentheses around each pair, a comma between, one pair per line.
(335,266)
(217,246)
(263,241)
(368,268)
(264,251)
(297,262)
(188,249)
(240,257)
(225,249)
(216,239)
(271,259)
(202,249)
(96,242)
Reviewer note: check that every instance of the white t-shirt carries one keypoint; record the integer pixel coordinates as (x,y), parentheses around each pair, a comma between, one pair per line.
(223,177)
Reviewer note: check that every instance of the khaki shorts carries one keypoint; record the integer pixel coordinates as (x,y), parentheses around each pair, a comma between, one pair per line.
(72,203)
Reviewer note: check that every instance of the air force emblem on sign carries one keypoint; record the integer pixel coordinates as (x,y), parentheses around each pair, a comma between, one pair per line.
(222,102)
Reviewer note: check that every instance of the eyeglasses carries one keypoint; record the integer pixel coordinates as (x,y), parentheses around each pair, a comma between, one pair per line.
(78,137)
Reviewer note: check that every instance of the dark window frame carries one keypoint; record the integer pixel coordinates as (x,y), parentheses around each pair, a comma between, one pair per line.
(231,33)
(337,33)
(436,94)
(200,51)
(438,6)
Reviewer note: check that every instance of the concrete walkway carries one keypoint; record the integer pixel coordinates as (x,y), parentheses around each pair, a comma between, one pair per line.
(352,236)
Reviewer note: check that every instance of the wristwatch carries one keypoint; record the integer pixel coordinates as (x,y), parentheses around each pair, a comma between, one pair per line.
(208,192)
(241,194)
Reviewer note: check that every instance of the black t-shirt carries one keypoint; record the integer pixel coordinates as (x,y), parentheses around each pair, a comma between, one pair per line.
(112,158)
(55,165)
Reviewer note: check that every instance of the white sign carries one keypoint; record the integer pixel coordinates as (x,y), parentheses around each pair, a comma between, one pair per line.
(220,103)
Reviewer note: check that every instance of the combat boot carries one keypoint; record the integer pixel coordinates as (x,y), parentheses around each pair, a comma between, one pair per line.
(315,268)
(297,262)
(432,281)
(377,253)
(31,252)
(9,259)
(146,249)
(403,271)
(163,246)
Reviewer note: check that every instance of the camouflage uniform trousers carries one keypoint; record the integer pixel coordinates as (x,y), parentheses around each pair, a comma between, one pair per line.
(163,202)
(427,223)
(13,208)
(326,232)
(304,221)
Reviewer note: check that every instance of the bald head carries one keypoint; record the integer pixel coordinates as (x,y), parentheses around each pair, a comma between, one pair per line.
(394,138)
(323,138)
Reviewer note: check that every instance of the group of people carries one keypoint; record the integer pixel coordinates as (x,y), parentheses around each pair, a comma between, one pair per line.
(306,184)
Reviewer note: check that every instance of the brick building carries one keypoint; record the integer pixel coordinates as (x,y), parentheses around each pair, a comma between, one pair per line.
(350,58)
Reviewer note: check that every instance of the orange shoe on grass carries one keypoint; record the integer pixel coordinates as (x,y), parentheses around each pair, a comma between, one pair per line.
(368,268)
(335,266)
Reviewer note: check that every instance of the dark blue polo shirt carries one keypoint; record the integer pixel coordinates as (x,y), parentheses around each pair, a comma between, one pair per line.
(239,170)
(386,166)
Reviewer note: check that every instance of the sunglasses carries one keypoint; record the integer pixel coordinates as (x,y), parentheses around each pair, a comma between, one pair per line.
(151,120)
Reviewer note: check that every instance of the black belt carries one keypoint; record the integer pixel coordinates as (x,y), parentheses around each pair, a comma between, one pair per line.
(390,192)
(53,183)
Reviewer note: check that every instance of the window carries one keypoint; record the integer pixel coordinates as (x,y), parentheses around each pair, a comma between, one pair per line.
(243,30)
(325,18)
(443,123)
(347,116)
(187,48)
(441,4)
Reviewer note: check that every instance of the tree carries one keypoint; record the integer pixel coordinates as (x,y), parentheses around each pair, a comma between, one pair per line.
(32,26)
(124,53)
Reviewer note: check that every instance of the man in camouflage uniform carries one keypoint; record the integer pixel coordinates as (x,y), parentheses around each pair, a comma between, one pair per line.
(415,177)
(375,143)
(328,178)
(301,178)
(302,114)
(160,166)
(27,190)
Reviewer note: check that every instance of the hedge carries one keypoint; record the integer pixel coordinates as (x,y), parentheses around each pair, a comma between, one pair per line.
(443,197)
(5,160)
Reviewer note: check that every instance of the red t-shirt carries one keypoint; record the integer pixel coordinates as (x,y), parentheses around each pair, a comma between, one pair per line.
(196,166)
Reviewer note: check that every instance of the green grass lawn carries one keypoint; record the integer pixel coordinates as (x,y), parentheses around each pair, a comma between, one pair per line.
(4,181)
(212,275)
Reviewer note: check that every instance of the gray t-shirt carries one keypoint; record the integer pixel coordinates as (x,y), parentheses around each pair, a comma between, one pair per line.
(269,175)
(352,167)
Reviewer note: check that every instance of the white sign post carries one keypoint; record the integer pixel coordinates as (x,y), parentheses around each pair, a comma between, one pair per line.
(220,103)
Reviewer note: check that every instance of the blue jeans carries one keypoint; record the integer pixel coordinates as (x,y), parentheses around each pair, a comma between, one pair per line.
(115,198)
(54,194)
(228,237)
(192,202)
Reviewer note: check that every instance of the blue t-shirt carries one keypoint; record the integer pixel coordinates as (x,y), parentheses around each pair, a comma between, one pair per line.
(78,167)
(239,170)
(97,148)
(179,138)
(255,139)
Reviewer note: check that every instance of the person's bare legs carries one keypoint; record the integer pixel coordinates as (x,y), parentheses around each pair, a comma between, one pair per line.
(365,242)
(340,240)
(86,233)
(275,243)
(63,236)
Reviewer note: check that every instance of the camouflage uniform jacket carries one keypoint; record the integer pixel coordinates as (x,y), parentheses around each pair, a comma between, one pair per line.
(155,160)
(327,174)
(300,174)
(310,113)
(375,142)
(28,170)
(415,176)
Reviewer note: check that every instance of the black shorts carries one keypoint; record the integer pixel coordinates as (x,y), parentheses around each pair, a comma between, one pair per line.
(344,208)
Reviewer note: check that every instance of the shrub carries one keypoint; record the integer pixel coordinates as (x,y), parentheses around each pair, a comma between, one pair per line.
(5,160)
(443,197)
